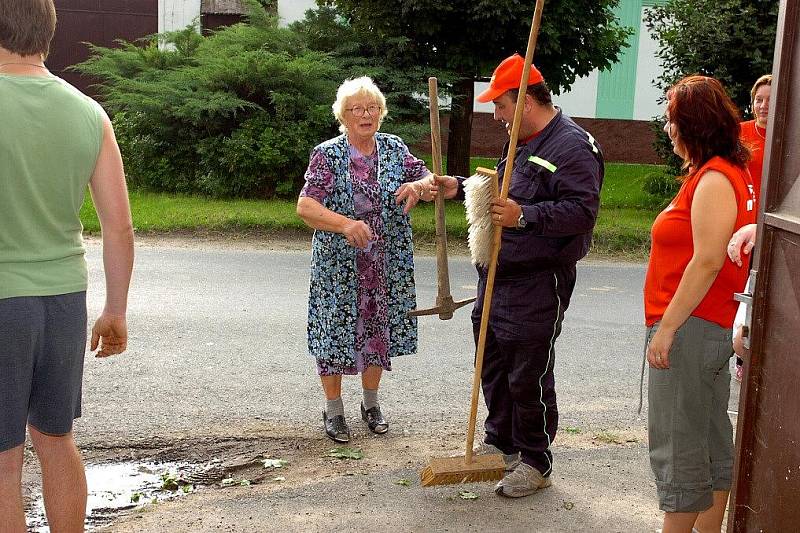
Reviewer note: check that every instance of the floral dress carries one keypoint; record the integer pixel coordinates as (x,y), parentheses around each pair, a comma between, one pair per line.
(372,323)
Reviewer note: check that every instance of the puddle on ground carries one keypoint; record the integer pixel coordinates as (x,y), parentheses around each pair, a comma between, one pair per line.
(124,486)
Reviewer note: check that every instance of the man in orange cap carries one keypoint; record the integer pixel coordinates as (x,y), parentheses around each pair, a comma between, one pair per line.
(547,224)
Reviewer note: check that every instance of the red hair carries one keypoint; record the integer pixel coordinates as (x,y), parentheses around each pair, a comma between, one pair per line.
(707,121)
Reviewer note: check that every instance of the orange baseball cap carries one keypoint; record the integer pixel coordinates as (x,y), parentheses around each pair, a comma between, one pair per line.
(506,76)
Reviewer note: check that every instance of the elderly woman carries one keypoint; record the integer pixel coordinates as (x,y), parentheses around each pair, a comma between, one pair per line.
(689,308)
(359,189)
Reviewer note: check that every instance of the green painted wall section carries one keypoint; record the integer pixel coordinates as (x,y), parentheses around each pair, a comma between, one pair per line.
(616,88)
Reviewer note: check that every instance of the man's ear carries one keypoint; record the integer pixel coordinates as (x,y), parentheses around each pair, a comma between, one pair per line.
(529,102)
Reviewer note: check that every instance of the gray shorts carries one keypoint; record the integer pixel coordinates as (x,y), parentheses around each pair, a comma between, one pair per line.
(42,346)
(690,434)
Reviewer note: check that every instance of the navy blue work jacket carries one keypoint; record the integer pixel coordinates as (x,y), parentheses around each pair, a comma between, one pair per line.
(556,180)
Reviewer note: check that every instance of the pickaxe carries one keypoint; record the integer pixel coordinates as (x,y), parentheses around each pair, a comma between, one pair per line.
(445,305)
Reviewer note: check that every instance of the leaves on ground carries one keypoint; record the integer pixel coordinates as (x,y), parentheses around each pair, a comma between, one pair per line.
(568,505)
(230,482)
(346,452)
(403,482)
(572,430)
(136,496)
(468,495)
(169,481)
(275,463)
(607,437)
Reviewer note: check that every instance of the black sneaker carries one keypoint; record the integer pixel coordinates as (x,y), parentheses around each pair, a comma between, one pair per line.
(374,419)
(336,428)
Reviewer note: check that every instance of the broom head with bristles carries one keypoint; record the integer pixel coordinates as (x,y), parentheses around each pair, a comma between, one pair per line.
(454,470)
(479,191)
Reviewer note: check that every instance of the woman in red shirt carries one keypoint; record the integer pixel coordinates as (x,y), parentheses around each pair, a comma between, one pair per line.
(689,307)
(754,132)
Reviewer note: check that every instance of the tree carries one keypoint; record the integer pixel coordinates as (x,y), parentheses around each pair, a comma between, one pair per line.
(469,37)
(355,54)
(233,113)
(731,40)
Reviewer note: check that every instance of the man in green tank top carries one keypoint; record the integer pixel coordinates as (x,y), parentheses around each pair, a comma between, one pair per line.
(54,141)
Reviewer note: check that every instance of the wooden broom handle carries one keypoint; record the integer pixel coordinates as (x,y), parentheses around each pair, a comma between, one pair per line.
(487,295)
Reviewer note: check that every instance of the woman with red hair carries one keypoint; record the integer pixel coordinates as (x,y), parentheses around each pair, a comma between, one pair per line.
(689,307)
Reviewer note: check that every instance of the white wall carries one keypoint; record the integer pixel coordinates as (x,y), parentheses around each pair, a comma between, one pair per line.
(292,10)
(177,14)
(646,100)
(581,100)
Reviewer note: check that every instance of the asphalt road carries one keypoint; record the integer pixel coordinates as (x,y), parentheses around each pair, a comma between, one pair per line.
(217,339)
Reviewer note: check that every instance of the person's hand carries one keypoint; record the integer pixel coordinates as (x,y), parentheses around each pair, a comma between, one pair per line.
(738,342)
(505,213)
(411,193)
(110,332)
(742,243)
(658,348)
(357,233)
(449,185)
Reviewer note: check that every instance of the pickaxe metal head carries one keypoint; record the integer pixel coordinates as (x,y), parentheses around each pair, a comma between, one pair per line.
(445,306)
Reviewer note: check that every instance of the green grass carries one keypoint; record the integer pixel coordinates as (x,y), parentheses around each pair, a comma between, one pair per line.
(623,226)
(622,186)
(159,212)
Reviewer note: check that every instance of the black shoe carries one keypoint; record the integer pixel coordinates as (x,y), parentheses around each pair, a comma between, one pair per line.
(374,419)
(336,428)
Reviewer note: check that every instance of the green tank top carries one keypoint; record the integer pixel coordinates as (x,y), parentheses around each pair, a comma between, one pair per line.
(50,137)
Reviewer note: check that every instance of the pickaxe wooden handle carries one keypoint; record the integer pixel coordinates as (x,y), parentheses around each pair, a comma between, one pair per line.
(445,305)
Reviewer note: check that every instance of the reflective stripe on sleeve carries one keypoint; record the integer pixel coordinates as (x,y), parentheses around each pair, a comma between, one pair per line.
(592,142)
(542,163)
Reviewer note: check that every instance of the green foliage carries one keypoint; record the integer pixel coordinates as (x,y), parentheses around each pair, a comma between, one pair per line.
(662,186)
(463,40)
(234,113)
(664,148)
(731,40)
(355,53)
(471,36)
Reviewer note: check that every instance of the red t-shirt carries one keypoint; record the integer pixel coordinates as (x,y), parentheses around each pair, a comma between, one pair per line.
(672,249)
(755,138)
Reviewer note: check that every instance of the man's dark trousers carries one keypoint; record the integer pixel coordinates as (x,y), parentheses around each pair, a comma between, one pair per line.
(517,377)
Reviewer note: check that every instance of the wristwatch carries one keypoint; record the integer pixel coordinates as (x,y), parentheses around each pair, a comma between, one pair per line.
(521,222)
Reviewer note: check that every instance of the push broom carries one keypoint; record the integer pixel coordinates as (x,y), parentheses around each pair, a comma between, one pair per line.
(473,468)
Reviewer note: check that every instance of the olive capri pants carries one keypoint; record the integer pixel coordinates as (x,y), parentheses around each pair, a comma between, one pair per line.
(690,434)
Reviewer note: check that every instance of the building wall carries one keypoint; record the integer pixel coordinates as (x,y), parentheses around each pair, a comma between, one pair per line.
(177,14)
(610,103)
(97,22)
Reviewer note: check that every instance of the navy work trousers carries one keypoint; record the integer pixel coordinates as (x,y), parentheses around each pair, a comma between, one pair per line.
(517,377)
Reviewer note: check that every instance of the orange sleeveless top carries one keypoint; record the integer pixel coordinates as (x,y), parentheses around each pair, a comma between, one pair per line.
(755,139)
(672,249)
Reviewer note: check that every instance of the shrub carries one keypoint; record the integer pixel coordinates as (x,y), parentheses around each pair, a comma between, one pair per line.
(234,113)
(662,186)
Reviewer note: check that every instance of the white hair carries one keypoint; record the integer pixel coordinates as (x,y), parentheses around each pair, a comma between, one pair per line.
(363,86)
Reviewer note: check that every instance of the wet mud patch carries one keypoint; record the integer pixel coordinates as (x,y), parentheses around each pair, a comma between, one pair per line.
(124,479)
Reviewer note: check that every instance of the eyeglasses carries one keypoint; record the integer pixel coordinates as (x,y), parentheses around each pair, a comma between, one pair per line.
(358,111)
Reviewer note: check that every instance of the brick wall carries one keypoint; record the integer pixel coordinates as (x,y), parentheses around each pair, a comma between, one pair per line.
(626,141)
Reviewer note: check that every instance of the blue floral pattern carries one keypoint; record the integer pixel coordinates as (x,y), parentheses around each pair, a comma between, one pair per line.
(358,299)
